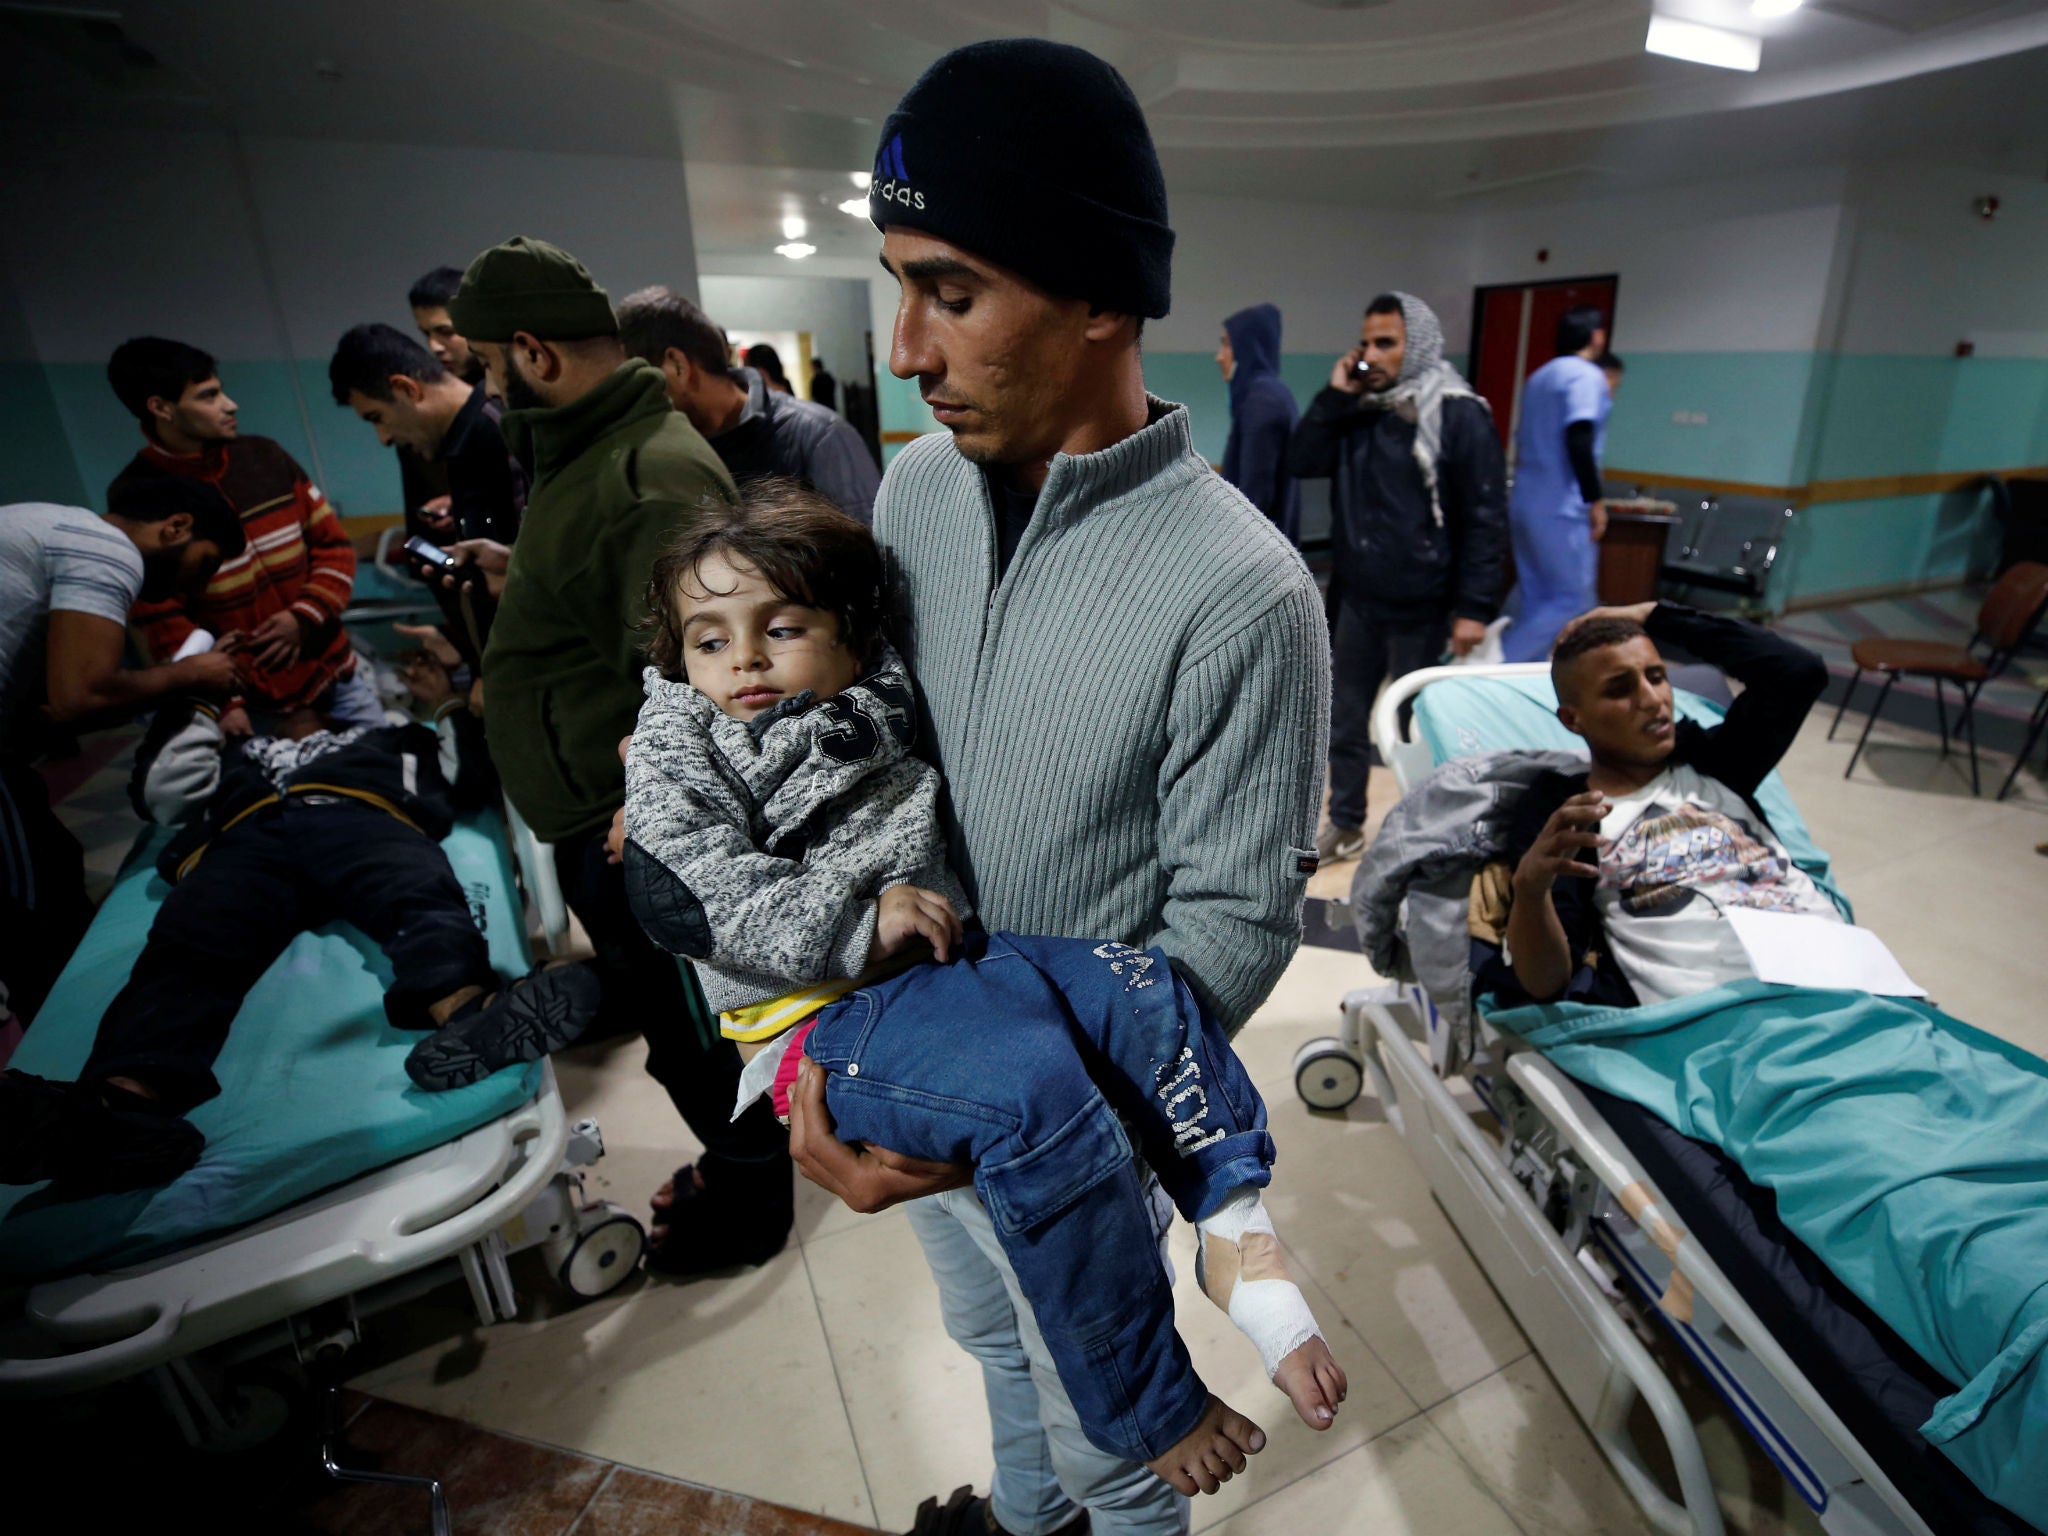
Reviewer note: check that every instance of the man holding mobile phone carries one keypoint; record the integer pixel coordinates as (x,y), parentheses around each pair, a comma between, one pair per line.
(419,406)
(1418,527)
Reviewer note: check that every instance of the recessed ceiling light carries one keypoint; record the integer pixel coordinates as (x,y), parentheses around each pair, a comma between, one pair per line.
(1697,44)
(857,206)
(794,228)
(795,250)
(862,179)
(1770,8)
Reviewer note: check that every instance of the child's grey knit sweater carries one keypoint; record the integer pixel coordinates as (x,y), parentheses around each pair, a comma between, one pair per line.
(1132,721)
(758,848)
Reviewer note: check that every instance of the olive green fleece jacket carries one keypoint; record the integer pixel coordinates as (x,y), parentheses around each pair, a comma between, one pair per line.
(615,475)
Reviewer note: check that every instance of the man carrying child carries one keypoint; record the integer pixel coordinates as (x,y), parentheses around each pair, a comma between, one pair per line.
(1123,666)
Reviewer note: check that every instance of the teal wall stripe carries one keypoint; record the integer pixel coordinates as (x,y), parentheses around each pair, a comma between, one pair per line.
(36,463)
(361,474)
(1775,418)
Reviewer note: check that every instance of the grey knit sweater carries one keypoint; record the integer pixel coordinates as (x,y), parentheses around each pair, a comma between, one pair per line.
(758,848)
(1133,723)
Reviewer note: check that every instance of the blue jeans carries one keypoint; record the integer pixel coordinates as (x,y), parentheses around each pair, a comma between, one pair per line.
(351,701)
(1019,1058)
(1044,1464)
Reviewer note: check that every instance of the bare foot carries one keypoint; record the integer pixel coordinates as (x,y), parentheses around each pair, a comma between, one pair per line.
(1208,1455)
(1314,1381)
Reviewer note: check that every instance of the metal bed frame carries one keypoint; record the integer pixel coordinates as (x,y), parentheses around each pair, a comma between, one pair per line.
(1565,1223)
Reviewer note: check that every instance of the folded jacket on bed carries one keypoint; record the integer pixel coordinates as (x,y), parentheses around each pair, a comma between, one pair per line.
(1907,1149)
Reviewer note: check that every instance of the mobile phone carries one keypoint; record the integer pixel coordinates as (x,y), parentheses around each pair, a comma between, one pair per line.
(429,553)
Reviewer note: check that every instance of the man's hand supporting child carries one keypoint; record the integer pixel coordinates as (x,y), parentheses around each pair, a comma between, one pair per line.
(868,1179)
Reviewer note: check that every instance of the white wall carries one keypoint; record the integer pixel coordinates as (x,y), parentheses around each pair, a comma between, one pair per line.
(1731,266)
(104,241)
(1928,272)
(833,309)
(1320,264)
(264,250)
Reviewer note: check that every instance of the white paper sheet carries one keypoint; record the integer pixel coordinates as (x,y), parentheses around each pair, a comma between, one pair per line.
(198,643)
(1797,949)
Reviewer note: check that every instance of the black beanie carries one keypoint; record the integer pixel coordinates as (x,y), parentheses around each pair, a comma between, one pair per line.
(1036,156)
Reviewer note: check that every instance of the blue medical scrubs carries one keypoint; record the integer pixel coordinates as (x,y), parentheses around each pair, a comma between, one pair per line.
(1556,560)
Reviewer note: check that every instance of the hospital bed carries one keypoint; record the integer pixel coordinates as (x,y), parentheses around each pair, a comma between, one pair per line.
(1561,1208)
(330,1188)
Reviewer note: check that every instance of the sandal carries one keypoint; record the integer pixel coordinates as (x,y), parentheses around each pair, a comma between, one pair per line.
(738,1220)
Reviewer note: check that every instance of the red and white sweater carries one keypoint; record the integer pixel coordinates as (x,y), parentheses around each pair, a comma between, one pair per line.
(298,558)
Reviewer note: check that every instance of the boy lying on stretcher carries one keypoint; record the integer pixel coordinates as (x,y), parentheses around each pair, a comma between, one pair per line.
(279,833)
(779,832)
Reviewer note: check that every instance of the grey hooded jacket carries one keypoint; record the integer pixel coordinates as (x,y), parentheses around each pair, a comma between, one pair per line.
(758,849)
(1425,855)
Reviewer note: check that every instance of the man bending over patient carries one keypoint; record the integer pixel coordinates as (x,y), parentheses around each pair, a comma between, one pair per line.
(1623,874)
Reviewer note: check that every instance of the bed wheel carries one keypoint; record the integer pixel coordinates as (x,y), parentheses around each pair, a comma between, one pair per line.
(1326,1075)
(603,1255)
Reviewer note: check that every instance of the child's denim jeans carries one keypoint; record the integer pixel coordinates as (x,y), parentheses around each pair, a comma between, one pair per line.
(1019,1058)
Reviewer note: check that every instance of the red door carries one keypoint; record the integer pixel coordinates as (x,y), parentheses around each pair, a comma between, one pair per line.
(1514,332)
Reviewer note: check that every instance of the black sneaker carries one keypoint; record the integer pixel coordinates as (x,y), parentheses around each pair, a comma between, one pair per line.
(88,1140)
(534,1017)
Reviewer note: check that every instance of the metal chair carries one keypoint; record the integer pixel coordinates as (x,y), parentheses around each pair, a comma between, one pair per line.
(1731,545)
(2004,624)
(2036,723)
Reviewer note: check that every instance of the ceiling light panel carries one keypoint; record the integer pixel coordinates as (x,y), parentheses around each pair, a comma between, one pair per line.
(1698,44)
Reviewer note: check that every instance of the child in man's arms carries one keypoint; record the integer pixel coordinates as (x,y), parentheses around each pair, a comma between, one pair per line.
(779,832)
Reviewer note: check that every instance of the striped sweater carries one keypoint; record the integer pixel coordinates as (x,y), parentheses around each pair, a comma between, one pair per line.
(1133,722)
(299,558)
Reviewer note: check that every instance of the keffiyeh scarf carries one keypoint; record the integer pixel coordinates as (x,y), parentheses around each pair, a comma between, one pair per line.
(1418,394)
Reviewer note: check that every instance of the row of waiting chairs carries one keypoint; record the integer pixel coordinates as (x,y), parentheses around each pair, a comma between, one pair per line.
(1722,543)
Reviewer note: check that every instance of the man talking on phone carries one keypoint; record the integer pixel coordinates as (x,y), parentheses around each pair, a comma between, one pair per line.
(1418,528)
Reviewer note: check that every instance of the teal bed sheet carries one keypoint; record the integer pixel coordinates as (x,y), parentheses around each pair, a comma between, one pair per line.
(313,1084)
(1464,716)
(1907,1149)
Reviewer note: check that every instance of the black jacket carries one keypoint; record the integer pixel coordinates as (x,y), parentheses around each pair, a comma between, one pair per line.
(1389,553)
(188,774)
(1780,682)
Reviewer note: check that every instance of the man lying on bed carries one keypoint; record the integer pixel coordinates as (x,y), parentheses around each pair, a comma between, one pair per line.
(1906,1149)
(1622,874)
(278,834)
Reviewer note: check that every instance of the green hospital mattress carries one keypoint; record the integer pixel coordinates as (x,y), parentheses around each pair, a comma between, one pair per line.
(313,1084)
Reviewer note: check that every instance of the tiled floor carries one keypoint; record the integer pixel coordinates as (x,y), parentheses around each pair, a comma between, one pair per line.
(1452,1424)
(824,1381)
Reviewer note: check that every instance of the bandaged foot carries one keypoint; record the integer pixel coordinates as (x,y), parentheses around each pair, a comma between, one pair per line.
(1240,1267)
(1211,1453)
